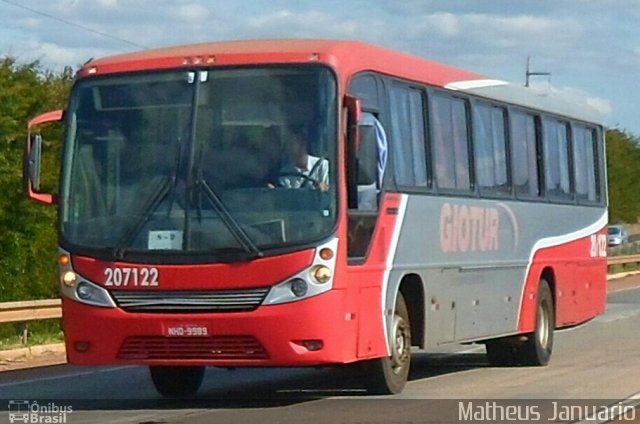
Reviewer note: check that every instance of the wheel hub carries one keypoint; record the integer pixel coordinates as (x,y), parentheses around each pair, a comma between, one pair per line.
(543,326)
(401,344)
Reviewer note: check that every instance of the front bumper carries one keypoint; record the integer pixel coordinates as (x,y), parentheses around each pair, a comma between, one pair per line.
(269,336)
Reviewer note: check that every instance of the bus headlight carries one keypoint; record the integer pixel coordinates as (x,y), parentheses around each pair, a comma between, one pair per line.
(74,286)
(311,281)
(299,287)
(84,291)
(92,294)
(69,278)
(321,273)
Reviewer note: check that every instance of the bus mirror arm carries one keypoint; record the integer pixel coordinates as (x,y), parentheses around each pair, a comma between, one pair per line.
(33,157)
(354,116)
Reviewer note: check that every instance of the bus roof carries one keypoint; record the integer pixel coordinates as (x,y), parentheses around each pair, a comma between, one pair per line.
(530,98)
(346,55)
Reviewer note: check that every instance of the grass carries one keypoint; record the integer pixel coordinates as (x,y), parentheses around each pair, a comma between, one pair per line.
(632,248)
(615,269)
(38,333)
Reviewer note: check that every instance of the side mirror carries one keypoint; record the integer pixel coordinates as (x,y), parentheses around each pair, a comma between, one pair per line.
(353,115)
(362,152)
(34,160)
(33,157)
(362,144)
(367,155)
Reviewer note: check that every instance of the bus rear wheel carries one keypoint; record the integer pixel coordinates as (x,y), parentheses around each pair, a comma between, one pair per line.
(537,349)
(385,376)
(177,382)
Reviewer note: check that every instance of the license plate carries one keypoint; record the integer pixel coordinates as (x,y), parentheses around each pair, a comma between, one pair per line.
(186,330)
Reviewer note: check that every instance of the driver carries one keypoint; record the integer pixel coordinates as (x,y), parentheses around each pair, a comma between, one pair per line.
(303,169)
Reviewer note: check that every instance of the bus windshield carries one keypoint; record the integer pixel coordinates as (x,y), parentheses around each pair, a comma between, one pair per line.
(212,161)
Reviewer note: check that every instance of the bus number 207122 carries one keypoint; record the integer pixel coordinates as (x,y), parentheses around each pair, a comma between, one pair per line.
(131,277)
(598,246)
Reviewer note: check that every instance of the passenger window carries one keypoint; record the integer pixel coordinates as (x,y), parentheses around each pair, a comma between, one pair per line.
(365,88)
(450,142)
(524,154)
(408,136)
(556,159)
(585,163)
(489,145)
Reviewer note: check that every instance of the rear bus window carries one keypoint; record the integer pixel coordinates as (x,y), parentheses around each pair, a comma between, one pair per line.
(556,159)
(585,163)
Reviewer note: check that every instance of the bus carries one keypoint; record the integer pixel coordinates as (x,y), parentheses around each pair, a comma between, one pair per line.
(453,208)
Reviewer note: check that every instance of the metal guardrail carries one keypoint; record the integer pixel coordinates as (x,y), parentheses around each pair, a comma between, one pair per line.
(624,260)
(31,310)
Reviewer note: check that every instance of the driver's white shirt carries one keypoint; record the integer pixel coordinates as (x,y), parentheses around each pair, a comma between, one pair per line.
(320,173)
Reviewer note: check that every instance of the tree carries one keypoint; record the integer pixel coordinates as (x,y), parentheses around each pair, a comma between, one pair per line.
(28,237)
(623,160)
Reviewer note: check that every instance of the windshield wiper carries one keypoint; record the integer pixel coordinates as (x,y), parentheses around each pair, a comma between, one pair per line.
(159,194)
(232,224)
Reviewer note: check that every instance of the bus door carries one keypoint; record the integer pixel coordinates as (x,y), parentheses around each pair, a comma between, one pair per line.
(367,236)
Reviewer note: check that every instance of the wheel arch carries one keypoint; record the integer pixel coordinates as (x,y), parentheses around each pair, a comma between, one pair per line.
(413,290)
(527,316)
(550,277)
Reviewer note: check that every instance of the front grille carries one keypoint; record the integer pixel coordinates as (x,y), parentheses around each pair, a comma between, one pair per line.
(218,347)
(190,301)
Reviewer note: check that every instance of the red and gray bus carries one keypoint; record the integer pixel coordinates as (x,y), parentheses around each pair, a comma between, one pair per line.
(454,209)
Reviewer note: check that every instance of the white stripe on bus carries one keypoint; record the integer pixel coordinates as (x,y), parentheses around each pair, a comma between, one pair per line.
(389,266)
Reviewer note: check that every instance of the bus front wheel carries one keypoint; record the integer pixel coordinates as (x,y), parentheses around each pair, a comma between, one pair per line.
(177,382)
(389,375)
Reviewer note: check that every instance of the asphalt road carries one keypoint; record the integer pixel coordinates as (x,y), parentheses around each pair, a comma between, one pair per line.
(595,364)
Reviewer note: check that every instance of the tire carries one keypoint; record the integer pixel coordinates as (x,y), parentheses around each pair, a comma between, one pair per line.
(386,376)
(536,351)
(177,382)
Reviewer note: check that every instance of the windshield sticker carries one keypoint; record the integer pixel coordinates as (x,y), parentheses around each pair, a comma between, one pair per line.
(165,240)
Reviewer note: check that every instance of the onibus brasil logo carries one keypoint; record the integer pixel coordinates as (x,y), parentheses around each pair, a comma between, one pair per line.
(24,411)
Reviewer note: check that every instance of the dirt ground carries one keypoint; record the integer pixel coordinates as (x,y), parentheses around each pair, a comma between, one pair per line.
(35,356)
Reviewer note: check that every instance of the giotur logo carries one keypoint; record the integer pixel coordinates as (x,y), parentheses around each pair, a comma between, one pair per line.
(467,229)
